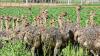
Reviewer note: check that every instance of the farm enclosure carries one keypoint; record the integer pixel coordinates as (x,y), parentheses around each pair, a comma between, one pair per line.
(17,49)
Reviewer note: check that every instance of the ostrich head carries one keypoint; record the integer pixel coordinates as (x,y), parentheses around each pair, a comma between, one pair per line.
(18,20)
(44,15)
(78,7)
(45,11)
(25,22)
(64,14)
(15,19)
(1,17)
(52,22)
(8,18)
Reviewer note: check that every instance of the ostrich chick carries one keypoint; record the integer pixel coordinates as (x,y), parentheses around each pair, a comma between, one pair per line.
(89,38)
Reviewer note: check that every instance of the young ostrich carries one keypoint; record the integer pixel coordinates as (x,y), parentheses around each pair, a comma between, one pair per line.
(50,38)
(44,16)
(57,39)
(70,27)
(18,28)
(2,32)
(32,37)
(89,37)
(7,23)
(59,35)
(90,21)
(21,27)
(7,34)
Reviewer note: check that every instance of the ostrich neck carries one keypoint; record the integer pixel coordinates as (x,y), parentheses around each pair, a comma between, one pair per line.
(1,23)
(61,25)
(91,20)
(17,24)
(14,24)
(78,18)
(87,23)
(44,20)
(7,25)
(52,26)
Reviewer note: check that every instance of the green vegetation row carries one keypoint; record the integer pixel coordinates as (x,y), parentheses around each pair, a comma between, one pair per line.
(53,11)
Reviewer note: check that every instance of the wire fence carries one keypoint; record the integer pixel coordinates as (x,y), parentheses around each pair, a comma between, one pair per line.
(67,2)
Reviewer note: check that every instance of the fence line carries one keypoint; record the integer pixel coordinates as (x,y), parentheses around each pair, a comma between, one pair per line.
(28,3)
(67,2)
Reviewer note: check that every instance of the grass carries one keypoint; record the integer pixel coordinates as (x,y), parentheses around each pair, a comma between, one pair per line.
(54,11)
(18,47)
(14,49)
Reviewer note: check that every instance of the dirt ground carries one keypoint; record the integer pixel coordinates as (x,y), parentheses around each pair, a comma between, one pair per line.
(2,5)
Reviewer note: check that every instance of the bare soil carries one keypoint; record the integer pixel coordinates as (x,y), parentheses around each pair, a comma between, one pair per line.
(2,5)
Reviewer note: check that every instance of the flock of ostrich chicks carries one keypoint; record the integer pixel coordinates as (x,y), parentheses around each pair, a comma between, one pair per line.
(38,36)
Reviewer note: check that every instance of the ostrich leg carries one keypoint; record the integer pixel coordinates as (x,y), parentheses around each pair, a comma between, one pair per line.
(33,51)
(57,48)
(78,8)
